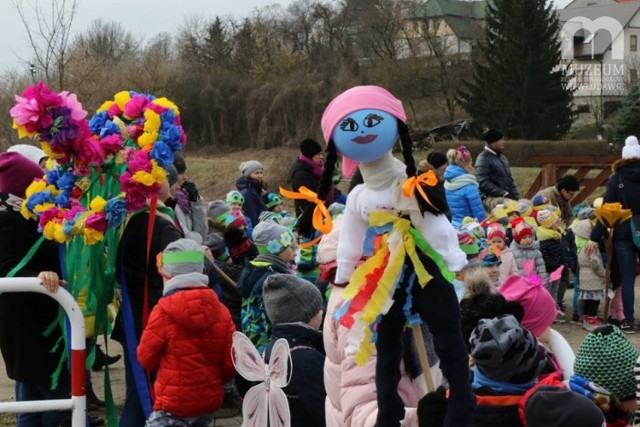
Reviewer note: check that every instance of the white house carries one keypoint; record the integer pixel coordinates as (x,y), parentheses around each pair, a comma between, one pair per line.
(600,49)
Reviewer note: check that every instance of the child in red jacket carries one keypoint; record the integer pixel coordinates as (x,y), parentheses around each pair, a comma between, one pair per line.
(187,340)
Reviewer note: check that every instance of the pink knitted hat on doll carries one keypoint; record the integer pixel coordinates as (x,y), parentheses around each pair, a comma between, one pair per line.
(538,305)
(355,99)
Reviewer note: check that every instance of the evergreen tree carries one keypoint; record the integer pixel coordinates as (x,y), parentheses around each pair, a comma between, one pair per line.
(518,86)
(628,122)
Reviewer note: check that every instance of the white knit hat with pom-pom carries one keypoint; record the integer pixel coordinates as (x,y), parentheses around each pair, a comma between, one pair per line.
(631,148)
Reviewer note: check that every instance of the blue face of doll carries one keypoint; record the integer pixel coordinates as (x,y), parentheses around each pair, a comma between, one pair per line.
(366,135)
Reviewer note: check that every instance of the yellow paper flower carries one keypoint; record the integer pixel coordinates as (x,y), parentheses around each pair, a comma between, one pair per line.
(105,106)
(147,138)
(43,207)
(98,204)
(35,187)
(58,233)
(49,230)
(158,173)
(121,98)
(164,102)
(25,212)
(144,178)
(49,152)
(612,214)
(91,236)
(152,121)
(22,131)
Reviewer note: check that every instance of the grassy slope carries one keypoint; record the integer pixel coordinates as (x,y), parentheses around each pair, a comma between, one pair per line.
(216,176)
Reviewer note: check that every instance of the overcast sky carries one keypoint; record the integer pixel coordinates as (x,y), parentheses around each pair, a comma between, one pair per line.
(144,18)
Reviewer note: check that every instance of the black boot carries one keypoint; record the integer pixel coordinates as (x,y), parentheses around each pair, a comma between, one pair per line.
(103,360)
(93,402)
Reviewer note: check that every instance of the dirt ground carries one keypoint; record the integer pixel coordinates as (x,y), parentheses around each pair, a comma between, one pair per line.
(573,333)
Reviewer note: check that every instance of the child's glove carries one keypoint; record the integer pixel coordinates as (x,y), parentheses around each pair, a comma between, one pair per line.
(432,409)
(191,190)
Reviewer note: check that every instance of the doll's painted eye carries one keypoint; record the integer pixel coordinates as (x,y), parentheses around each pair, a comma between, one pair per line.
(372,120)
(348,125)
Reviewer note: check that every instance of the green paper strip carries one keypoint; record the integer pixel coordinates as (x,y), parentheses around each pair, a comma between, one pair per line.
(182,257)
(27,257)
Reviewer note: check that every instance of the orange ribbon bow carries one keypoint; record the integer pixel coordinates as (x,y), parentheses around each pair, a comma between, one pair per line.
(321,217)
(414,183)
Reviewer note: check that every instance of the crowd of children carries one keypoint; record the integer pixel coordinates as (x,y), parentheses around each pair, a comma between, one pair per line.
(508,293)
(240,267)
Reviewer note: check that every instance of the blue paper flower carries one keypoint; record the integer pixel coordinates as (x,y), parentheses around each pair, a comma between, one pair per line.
(171,135)
(38,199)
(109,128)
(97,121)
(116,212)
(168,116)
(52,176)
(66,181)
(63,200)
(162,154)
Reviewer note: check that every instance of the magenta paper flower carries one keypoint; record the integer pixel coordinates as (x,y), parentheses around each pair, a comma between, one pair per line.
(157,108)
(135,107)
(30,114)
(97,221)
(45,96)
(114,110)
(72,103)
(112,143)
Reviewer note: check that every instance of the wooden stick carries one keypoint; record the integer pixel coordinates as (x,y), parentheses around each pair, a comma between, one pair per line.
(424,360)
(224,276)
(609,251)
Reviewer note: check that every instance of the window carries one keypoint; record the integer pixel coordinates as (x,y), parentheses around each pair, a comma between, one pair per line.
(633,43)
(633,76)
(582,77)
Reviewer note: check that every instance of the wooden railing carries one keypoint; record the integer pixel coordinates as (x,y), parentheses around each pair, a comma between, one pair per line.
(555,167)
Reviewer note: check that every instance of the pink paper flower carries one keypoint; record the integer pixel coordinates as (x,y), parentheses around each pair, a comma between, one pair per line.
(112,143)
(97,221)
(72,103)
(135,107)
(114,110)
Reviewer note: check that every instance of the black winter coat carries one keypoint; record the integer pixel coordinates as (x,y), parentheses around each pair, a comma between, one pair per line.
(301,174)
(132,254)
(553,254)
(494,175)
(25,316)
(305,392)
(253,206)
(627,171)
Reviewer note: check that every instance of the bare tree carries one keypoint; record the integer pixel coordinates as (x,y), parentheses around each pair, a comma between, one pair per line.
(49,33)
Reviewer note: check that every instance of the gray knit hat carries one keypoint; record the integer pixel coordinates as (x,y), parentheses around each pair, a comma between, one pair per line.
(218,210)
(172,174)
(183,256)
(272,238)
(505,351)
(249,167)
(289,299)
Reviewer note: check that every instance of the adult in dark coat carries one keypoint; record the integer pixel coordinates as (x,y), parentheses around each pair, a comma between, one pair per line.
(251,186)
(132,262)
(24,317)
(493,171)
(306,170)
(625,253)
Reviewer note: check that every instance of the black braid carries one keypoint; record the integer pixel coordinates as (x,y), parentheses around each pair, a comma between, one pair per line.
(304,225)
(407,148)
(436,194)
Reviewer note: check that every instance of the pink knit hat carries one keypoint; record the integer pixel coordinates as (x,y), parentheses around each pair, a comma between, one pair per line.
(355,99)
(538,305)
(17,172)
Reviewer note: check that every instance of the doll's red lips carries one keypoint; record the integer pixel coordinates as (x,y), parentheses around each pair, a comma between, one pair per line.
(364,139)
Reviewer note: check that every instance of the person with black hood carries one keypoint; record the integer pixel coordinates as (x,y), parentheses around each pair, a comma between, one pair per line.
(493,171)
(30,356)
(251,186)
(306,170)
(137,269)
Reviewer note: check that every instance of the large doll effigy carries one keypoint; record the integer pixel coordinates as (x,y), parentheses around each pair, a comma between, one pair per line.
(99,172)
(396,251)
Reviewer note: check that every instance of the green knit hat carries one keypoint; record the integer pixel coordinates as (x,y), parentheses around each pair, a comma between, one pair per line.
(607,358)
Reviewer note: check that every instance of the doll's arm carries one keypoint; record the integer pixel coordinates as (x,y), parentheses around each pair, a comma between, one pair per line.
(442,237)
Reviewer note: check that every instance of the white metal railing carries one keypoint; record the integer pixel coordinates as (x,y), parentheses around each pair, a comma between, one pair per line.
(78,401)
